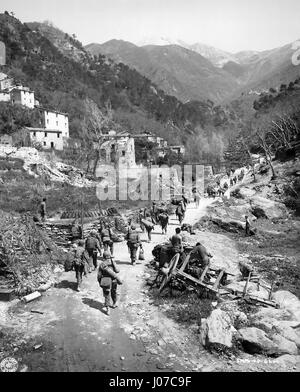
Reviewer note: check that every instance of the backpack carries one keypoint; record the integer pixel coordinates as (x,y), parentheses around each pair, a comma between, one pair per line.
(80,258)
(133,238)
(91,243)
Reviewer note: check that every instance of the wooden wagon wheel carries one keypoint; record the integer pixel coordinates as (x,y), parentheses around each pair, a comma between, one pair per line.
(173,265)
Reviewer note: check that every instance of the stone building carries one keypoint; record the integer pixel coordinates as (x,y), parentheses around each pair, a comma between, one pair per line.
(22,96)
(47,138)
(118,149)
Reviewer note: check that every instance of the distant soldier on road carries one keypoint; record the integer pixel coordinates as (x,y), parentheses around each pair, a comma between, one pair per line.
(133,243)
(106,238)
(164,221)
(141,217)
(43,209)
(92,247)
(149,226)
(180,212)
(80,260)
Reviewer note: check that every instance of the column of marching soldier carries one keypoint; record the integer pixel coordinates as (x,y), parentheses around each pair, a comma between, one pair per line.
(84,255)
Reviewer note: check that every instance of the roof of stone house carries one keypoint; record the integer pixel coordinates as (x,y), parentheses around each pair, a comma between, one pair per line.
(43,130)
(42,108)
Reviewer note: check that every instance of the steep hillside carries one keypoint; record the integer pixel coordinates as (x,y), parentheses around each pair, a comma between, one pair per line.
(203,72)
(65,77)
(178,71)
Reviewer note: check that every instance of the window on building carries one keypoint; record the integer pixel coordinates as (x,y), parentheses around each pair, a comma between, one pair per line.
(34,134)
(46,134)
(123,153)
(47,121)
(57,123)
(58,135)
(45,143)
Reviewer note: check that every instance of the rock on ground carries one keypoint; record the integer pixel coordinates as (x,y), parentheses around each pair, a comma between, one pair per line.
(216,329)
(255,341)
(288,301)
(289,362)
(266,208)
(284,346)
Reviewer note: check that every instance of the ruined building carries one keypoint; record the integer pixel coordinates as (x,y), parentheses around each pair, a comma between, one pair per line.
(118,149)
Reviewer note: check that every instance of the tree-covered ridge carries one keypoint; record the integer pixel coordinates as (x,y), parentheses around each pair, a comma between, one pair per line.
(63,83)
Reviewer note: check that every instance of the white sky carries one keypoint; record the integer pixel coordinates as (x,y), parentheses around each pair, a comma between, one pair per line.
(231,25)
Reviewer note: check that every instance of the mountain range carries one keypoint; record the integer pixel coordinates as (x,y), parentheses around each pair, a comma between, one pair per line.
(198,71)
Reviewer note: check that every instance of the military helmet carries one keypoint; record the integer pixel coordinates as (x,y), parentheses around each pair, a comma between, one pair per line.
(81,243)
(133,227)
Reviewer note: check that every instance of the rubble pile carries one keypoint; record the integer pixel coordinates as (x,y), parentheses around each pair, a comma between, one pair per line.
(28,256)
(39,164)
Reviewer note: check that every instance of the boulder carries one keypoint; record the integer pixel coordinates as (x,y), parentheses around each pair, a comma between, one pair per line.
(216,329)
(288,301)
(289,362)
(255,341)
(246,193)
(272,313)
(289,333)
(231,225)
(284,346)
(266,208)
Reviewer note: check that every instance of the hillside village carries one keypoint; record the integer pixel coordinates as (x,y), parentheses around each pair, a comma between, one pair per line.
(74,124)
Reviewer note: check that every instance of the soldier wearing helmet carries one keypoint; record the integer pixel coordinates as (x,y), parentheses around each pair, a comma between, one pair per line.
(108,280)
(133,243)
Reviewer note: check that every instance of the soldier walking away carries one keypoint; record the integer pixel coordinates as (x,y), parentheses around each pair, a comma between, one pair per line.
(185,202)
(80,261)
(164,221)
(92,247)
(231,182)
(149,227)
(154,213)
(247,226)
(133,243)
(180,212)
(106,237)
(76,230)
(108,281)
(141,217)
(43,209)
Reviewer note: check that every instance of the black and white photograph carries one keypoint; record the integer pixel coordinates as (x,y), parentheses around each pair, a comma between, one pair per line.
(149,189)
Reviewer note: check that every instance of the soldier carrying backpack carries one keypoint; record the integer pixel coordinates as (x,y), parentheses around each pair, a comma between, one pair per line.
(106,237)
(133,243)
(80,261)
(92,246)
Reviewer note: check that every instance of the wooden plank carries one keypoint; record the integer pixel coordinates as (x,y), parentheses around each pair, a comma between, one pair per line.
(187,259)
(194,280)
(246,285)
(204,273)
(217,282)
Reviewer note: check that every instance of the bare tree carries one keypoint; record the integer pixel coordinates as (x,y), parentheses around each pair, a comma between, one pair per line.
(96,122)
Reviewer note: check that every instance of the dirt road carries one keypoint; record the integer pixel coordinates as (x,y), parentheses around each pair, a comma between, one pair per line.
(77,335)
(68,331)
